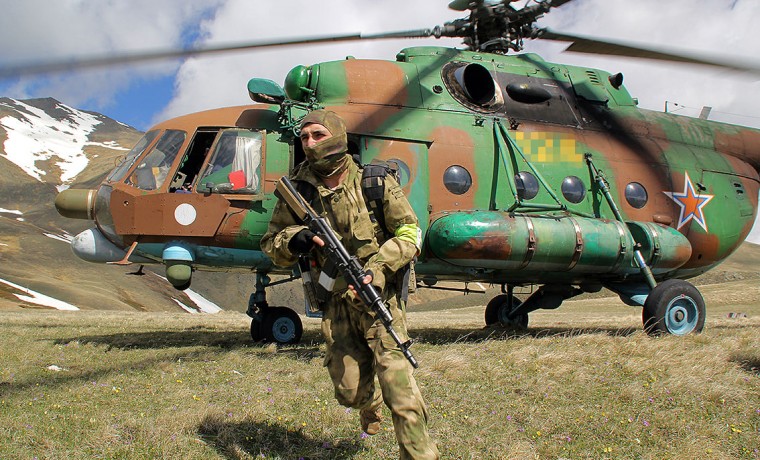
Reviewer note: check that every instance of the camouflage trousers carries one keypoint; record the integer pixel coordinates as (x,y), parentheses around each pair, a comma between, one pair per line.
(360,352)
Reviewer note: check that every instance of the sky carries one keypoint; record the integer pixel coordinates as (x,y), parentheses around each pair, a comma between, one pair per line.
(141,95)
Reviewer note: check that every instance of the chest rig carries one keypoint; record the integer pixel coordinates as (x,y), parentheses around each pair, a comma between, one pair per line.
(373,191)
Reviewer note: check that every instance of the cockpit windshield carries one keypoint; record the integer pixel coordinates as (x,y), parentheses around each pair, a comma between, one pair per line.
(153,169)
(120,171)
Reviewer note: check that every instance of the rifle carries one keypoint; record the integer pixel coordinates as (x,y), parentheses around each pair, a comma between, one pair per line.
(346,264)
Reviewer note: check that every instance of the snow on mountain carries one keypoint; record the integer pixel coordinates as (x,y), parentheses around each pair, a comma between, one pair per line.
(58,134)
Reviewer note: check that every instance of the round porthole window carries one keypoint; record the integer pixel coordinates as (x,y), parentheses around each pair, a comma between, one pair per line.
(573,189)
(527,185)
(404,173)
(636,195)
(457,180)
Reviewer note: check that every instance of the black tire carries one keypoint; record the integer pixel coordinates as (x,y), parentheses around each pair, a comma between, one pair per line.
(674,307)
(256,330)
(498,309)
(282,325)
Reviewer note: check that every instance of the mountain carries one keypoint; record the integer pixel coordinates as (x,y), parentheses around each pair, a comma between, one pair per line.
(46,146)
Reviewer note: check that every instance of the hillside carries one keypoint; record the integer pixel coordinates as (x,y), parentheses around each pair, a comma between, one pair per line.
(37,159)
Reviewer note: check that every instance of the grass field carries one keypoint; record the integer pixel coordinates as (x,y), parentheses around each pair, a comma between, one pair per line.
(582,382)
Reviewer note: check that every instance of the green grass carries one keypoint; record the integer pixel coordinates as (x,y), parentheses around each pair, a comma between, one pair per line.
(582,382)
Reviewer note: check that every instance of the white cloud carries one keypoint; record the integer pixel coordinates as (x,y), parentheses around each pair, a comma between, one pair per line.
(39,31)
(84,27)
(209,82)
(722,28)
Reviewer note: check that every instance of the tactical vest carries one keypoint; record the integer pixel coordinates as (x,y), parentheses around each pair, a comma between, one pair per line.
(373,191)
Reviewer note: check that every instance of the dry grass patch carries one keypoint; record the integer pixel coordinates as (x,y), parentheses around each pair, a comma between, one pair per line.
(582,382)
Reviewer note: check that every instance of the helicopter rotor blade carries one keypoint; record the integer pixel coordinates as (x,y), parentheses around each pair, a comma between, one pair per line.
(94,62)
(586,45)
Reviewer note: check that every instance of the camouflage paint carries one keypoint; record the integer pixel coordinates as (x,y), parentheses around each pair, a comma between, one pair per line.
(415,111)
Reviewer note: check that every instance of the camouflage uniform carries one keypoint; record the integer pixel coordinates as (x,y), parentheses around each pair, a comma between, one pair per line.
(358,346)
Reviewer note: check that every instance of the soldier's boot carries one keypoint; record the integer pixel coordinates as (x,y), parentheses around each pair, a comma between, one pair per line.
(371,420)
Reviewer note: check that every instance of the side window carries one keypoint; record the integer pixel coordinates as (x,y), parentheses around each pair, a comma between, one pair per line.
(154,167)
(235,163)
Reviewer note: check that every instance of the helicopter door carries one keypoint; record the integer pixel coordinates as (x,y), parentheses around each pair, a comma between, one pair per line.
(411,159)
(193,160)
(235,163)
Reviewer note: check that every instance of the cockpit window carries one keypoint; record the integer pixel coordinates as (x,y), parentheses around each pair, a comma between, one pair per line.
(153,168)
(235,164)
(120,171)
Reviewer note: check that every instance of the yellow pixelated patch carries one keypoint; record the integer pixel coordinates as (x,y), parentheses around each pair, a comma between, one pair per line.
(548,147)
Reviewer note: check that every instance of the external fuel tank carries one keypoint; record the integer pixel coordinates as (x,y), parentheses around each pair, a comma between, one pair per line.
(501,241)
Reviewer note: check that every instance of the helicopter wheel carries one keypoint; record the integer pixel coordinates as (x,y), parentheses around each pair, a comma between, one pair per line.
(498,309)
(256,330)
(674,307)
(281,325)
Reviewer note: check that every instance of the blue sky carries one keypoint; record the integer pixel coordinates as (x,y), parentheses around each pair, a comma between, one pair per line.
(136,104)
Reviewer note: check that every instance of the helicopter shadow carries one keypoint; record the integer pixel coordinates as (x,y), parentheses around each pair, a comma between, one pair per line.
(208,338)
(446,336)
(252,439)
(309,346)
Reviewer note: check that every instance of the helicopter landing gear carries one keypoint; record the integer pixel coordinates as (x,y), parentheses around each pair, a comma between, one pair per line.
(674,307)
(277,324)
(282,325)
(508,310)
(272,324)
(498,309)
(256,330)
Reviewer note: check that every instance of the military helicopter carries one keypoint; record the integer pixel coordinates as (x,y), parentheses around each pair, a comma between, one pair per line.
(522,172)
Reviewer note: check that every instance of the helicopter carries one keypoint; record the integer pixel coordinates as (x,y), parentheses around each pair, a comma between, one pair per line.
(521,172)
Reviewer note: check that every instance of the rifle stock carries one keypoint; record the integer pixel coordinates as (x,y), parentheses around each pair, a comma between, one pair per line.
(347,265)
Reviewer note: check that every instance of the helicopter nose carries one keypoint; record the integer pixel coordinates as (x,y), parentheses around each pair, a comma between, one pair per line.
(76,203)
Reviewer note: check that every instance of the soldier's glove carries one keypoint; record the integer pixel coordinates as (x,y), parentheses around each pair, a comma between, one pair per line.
(302,242)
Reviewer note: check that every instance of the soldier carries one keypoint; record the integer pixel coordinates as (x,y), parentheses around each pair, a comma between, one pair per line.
(359,349)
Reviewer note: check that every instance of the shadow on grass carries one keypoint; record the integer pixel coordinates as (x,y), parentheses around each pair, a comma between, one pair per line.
(443,336)
(309,346)
(251,439)
(194,337)
(748,363)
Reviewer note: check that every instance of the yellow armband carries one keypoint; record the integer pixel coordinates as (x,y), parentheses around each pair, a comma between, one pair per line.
(410,233)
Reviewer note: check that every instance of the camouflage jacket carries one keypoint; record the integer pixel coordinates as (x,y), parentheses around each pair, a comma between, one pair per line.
(346,210)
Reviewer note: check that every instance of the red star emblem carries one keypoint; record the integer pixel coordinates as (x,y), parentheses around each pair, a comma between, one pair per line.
(691,204)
